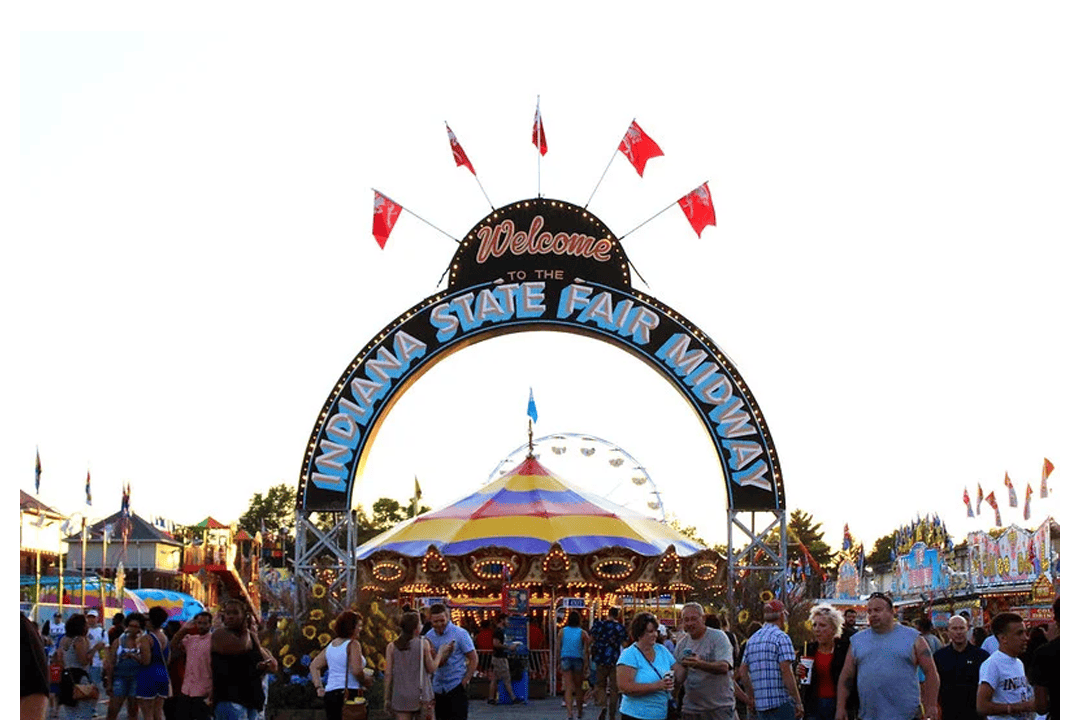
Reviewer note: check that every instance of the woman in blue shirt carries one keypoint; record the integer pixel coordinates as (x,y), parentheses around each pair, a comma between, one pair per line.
(573,659)
(645,672)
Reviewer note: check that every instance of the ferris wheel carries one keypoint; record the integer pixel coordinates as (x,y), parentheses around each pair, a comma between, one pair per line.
(596,466)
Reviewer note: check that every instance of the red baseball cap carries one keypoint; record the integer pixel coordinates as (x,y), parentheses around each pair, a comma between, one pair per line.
(775,606)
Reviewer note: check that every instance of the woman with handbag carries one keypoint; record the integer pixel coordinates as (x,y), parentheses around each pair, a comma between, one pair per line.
(78,695)
(645,673)
(410,663)
(344,664)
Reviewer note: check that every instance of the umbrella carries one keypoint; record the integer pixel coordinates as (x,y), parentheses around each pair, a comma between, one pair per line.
(180,606)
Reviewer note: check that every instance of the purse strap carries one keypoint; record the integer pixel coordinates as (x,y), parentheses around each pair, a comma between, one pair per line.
(647,660)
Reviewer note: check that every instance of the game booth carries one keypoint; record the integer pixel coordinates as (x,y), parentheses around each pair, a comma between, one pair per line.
(535,546)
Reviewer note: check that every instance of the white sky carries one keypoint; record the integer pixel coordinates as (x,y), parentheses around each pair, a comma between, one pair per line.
(893,271)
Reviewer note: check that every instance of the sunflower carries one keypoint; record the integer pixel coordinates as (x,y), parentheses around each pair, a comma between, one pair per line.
(807,624)
(744,617)
(289,661)
(309,632)
(766,595)
(316,614)
(283,651)
(325,639)
(318,590)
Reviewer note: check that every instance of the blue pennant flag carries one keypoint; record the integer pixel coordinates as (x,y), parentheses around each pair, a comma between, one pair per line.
(531,411)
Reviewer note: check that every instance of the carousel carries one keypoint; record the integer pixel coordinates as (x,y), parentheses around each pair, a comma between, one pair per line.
(533,544)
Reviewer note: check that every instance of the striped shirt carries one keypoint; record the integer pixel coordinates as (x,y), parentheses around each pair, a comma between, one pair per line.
(765,650)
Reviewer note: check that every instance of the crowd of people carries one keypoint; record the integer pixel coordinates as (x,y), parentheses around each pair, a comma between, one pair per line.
(639,670)
(159,670)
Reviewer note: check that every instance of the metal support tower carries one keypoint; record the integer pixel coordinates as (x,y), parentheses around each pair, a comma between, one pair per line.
(744,559)
(333,549)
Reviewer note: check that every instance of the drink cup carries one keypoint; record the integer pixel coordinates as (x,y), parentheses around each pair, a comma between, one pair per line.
(807,663)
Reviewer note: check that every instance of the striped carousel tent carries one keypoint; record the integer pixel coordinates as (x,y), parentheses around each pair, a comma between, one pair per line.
(526,511)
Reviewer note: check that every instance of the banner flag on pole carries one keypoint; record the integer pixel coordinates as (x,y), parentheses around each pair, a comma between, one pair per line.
(539,139)
(1048,467)
(89,500)
(459,152)
(992,502)
(37,472)
(1027,503)
(697,205)
(639,148)
(846,544)
(967,503)
(979,501)
(1012,491)
(386,215)
(531,409)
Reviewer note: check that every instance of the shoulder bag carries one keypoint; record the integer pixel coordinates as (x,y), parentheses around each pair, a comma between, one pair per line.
(673,712)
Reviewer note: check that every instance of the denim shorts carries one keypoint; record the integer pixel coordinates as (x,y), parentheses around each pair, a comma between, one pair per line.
(571,664)
(123,686)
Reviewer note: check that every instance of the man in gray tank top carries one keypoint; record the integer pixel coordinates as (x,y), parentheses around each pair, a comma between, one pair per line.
(885,658)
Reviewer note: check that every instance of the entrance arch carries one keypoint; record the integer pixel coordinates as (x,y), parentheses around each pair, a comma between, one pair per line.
(531,266)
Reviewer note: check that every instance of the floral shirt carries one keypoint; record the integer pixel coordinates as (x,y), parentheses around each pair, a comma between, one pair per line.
(608,638)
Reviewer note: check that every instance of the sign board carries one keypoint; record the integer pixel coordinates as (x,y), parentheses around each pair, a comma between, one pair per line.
(920,570)
(517,630)
(1015,556)
(576,603)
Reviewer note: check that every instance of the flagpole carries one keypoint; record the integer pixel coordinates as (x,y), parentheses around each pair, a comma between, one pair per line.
(436,227)
(60,570)
(664,210)
(536,129)
(602,176)
(83,567)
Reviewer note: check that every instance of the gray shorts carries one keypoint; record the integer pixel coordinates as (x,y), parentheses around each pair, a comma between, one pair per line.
(727,713)
(501,668)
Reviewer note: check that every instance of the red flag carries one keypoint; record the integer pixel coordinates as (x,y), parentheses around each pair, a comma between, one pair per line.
(1027,503)
(386,214)
(992,501)
(967,502)
(539,139)
(698,208)
(978,501)
(639,148)
(1048,467)
(459,152)
(1012,491)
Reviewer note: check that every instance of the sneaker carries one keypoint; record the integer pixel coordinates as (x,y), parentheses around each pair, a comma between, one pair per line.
(491,702)
(517,701)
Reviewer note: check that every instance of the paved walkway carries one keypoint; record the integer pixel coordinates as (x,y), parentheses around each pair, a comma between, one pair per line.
(550,708)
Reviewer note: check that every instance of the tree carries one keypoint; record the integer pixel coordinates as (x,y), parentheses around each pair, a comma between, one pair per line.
(882,552)
(276,511)
(801,526)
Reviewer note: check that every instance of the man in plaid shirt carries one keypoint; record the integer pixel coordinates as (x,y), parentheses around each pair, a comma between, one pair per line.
(767,660)
(608,639)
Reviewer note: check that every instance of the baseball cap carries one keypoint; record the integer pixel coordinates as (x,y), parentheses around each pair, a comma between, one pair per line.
(774,606)
(58,614)
(91,613)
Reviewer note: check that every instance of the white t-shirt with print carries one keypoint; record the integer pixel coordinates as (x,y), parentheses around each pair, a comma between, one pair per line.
(1005,674)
